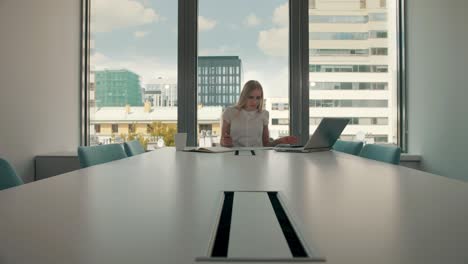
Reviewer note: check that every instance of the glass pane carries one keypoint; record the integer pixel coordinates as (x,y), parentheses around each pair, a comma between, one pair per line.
(133,88)
(353,67)
(240,41)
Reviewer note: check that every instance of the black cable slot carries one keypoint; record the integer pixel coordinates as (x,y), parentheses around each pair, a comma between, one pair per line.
(253,152)
(236,153)
(221,241)
(295,245)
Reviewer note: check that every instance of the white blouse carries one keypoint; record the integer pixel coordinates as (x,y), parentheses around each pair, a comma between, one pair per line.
(246,126)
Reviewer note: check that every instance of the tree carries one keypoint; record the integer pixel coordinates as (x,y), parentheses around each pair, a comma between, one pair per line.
(158,129)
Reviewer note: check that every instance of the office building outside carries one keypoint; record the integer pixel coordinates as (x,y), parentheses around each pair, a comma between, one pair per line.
(161,93)
(111,123)
(117,88)
(353,67)
(219,80)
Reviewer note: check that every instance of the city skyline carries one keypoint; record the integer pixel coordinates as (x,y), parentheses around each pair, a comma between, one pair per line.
(142,36)
(352,60)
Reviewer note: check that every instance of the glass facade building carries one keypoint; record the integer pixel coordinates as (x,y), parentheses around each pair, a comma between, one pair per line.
(219,80)
(117,88)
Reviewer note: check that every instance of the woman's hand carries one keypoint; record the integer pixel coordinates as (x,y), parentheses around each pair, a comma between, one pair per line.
(287,140)
(226,141)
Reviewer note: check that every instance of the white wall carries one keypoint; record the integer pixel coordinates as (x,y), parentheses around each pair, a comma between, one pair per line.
(39,79)
(438,84)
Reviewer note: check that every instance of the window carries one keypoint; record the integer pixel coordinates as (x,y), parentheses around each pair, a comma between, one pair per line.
(363,4)
(370,139)
(132,73)
(348,86)
(238,38)
(379,51)
(134,70)
(378,34)
(383,3)
(356,121)
(377,16)
(280,121)
(339,52)
(348,68)
(131,128)
(315,121)
(339,35)
(349,103)
(280,106)
(206,127)
(339,19)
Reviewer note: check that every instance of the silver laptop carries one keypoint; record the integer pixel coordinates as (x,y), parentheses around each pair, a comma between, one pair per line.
(324,137)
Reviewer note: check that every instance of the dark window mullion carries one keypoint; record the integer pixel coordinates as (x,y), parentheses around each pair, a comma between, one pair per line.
(187,69)
(299,69)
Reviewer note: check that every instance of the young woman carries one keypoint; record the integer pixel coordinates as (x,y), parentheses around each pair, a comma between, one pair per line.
(246,124)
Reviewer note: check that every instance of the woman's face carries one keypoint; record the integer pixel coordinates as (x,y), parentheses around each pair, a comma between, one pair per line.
(253,100)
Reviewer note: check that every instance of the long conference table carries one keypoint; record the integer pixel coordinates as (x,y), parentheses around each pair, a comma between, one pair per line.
(166,206)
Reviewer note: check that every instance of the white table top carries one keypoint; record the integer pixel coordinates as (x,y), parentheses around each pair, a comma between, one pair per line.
(158,207)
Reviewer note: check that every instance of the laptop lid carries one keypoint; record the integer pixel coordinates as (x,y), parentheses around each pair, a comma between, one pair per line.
(327,133)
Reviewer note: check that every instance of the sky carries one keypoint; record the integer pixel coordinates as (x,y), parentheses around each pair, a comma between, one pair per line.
(141,36)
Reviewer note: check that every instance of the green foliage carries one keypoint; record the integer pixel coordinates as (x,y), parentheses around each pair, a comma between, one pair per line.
(158,129)
(143,141)
(155,131)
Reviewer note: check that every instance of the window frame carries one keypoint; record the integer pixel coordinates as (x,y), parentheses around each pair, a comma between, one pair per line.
(187,54)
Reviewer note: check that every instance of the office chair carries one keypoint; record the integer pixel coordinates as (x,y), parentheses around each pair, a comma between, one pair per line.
(349,147)
(94,155)
(384,153)
(8,177)
(133,148)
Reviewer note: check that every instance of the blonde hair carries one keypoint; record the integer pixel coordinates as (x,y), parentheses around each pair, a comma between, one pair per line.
(244,96)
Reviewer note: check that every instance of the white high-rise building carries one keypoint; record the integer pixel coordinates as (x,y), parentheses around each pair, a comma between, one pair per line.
(353,67)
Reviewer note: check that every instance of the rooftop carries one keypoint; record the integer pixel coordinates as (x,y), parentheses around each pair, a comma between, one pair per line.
(138,114)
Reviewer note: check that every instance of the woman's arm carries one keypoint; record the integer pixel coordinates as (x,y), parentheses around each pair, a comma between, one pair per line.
(282,140)
(226,140)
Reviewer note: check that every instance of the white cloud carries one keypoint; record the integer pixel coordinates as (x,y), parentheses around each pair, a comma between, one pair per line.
(205,24)
(146,67)
(140,34)
(281,15)
(274,42)
(222,50)
(252,20)
(274,82)
(98,59)
(109,15)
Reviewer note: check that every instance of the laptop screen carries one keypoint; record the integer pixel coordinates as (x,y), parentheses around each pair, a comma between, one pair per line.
(327,133)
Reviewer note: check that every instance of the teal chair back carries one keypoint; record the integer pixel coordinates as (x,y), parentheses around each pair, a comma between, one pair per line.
(350,147)
(133,148)
(95,155)
(8,177)
(385,153)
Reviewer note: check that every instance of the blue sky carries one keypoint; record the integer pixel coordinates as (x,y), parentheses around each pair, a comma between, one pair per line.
(141,36)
